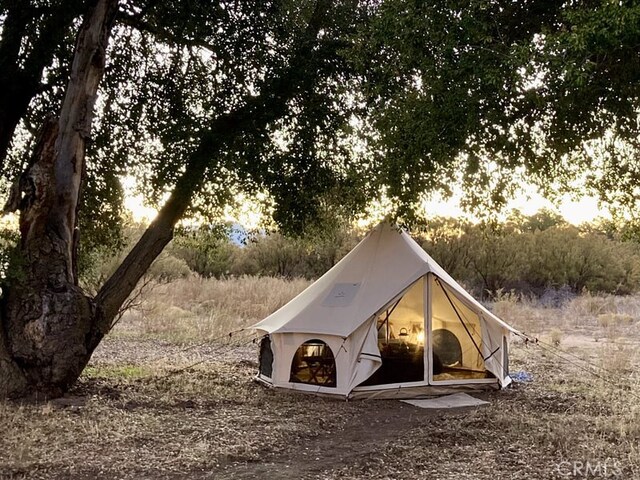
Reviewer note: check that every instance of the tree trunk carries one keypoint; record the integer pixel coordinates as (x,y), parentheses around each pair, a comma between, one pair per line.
(48,324)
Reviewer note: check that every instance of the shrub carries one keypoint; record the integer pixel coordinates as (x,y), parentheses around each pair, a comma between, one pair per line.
(167,268)
(206,250)
(272,255)
(537,255)
(610,319)
(555,335)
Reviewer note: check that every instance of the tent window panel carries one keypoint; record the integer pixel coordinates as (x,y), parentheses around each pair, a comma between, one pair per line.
(401,339)
(505,359)
(314,364)
(457,337)
(266,357)
(446,348)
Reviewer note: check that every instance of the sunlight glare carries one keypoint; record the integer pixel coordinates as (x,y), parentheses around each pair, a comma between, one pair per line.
(134,202)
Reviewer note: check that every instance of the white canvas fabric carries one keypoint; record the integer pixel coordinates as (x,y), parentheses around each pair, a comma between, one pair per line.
(341,308)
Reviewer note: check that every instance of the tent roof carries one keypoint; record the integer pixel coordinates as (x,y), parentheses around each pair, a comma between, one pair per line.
(385,263)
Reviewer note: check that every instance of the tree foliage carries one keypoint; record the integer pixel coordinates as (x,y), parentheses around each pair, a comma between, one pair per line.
(484,93)
(531,256)
(182,64)
(440,93)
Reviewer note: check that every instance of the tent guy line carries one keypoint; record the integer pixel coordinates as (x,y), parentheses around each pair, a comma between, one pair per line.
(558,353)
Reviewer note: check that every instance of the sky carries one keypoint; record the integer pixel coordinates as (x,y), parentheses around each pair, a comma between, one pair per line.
(575,211)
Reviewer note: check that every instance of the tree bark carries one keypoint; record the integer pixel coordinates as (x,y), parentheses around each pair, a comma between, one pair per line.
(48,323)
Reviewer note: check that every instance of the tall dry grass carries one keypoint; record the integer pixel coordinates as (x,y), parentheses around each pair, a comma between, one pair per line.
(195,308)
(604,313)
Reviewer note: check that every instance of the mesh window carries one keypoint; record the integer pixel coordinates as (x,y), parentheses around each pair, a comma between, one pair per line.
(314,364)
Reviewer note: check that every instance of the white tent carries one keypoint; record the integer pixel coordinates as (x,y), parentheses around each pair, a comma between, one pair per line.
(386,320)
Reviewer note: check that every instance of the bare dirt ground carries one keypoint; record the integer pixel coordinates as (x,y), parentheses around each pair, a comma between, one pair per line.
(133,417)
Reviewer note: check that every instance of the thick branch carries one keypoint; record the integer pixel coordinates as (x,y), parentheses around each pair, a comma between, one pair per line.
(47,192)
(256,114)
(19,84)
(75,119)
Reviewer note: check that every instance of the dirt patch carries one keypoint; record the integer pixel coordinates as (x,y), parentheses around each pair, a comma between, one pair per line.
(364,435)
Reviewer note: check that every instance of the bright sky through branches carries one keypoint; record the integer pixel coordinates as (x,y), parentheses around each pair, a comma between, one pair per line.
(576,211)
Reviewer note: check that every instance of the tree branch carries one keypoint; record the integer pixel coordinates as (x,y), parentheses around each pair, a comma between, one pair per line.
(136,22)
(75,120)
(19,84)
(256,114)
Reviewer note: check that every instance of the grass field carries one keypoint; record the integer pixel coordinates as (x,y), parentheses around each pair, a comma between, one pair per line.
(169,395)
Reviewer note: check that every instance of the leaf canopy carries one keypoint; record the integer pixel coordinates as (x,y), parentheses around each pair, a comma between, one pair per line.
(399,96)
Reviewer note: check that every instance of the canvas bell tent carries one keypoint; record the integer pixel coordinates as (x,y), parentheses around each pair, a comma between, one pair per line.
(386,320)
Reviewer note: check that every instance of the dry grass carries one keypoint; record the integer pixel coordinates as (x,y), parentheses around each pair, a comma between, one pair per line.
(589,309)
(194,308)
(132,416)
(150,426)
(588,313)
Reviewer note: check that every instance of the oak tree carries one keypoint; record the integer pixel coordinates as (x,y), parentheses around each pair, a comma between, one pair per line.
(322,104)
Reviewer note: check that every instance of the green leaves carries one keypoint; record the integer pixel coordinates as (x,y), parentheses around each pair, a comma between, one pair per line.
(397,96)
(523,86)
(439,78)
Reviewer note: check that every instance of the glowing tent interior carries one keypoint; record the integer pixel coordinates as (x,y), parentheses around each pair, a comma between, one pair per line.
(385,321)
